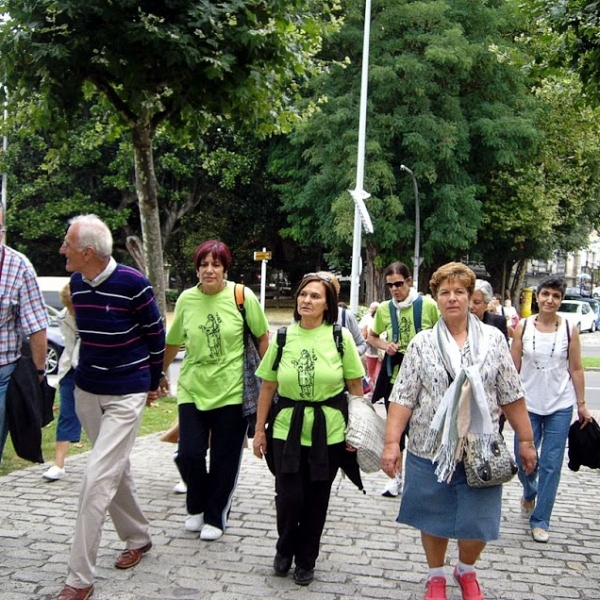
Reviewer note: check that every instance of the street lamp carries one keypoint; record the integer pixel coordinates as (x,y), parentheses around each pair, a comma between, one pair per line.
(416,258)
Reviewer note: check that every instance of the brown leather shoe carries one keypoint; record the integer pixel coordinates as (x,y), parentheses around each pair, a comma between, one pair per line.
(131,557)
(72,593)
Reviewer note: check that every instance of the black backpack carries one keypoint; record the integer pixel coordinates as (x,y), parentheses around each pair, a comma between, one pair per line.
(282,336)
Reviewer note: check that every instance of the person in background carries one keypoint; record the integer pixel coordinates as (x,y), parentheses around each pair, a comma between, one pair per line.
(480,300)
(372,353)
(511,314)
(437,499)
(309,422)
(210,386)
(399,281)
(119,370)
(68,429)
(547,353)
(478,305)
(23,312)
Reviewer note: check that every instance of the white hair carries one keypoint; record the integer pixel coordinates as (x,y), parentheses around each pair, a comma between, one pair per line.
(483,286)
(94,233)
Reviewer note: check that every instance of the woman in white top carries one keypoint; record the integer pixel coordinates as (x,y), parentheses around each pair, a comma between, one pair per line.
(547,353)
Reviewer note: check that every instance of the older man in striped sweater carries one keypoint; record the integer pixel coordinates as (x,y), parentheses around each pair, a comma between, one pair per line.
(121,356)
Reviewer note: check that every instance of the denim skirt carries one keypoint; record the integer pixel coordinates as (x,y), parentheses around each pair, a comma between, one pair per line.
(448,510)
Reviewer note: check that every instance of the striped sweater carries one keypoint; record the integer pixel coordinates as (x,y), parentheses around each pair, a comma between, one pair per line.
(122,334)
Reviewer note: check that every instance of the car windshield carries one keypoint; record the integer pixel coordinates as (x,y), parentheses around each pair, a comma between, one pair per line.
(568,307)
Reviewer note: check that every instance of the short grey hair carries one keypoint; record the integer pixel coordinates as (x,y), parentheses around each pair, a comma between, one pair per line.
(483,286)
(94,233)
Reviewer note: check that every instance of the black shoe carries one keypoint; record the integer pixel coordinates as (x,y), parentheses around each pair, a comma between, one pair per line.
(282,564)
(303,576)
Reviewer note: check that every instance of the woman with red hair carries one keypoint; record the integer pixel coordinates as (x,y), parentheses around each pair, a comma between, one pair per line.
(210,386)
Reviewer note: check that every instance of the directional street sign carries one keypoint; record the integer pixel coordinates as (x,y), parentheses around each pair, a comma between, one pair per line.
(262,255)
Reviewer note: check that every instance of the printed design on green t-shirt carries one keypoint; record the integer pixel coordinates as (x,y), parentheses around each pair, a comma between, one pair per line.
(212,330)
(305,367)
(405,327)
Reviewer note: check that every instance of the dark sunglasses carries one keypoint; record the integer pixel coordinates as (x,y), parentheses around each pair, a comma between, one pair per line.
(318,276)
(394,284)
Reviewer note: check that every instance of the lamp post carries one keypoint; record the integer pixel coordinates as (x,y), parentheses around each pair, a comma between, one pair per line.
(416,258)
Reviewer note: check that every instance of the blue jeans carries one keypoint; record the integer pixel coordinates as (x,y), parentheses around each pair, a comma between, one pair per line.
(69,427)
(5,373)
(550,433)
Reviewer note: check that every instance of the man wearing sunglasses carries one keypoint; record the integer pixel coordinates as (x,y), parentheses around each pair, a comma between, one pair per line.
(401,319)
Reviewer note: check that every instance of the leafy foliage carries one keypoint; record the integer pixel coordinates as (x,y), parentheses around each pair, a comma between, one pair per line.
(441,100)
(188,63)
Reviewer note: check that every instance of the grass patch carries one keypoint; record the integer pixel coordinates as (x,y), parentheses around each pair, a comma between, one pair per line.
(590,362)
(158,417)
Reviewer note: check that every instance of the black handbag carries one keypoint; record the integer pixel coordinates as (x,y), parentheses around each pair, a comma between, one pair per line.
(488,463)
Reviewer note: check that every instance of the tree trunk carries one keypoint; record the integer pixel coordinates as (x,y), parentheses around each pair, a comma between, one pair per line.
(374,284)
(147,193)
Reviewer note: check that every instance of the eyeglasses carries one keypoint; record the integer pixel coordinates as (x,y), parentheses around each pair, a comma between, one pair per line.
(318,276)
(394,284)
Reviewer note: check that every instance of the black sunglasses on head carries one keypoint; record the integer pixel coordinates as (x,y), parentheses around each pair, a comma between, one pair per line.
(318,276)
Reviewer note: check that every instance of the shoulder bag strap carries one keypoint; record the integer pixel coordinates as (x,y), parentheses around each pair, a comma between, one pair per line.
(418,313)
(281,338)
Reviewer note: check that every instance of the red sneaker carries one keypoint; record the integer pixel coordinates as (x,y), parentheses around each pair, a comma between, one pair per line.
(435,589)
(469,585)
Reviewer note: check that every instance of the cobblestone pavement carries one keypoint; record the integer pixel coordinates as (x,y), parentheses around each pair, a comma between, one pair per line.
(364,552)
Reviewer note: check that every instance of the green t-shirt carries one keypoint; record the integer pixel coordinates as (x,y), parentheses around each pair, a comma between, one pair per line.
(406,325)
(312,369)
(211,327)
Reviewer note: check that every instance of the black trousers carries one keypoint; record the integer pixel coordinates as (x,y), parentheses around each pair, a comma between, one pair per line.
(210,490)
(302,505)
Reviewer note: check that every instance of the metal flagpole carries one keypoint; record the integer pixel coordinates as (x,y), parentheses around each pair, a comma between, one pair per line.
(361,215)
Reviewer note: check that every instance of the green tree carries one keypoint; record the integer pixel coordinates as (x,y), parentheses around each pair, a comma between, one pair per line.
(570,31)
(182,62)
(441,100)
(215,188)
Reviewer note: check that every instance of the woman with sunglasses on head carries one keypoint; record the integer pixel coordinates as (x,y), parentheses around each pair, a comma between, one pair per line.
(309,420)
(410,319)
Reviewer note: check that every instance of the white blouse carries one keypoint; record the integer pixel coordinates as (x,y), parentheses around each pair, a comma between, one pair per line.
(423,381)
(545,369)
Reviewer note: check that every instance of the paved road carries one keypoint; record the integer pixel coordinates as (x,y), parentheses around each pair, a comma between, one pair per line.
(365,554)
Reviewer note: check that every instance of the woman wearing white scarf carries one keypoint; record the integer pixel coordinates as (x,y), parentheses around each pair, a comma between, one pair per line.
(437,499)
(403,304)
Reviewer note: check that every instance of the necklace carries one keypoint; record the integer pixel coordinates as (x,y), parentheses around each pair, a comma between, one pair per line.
(535,362)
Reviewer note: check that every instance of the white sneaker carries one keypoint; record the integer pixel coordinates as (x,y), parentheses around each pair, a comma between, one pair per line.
(539,535)
(194,522)
(210,533)
(180,488)
(393,487)
(54,473)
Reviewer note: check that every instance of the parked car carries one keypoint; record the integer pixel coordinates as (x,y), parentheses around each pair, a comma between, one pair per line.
(56,342)
(51,287)
(595,307)
(579,313)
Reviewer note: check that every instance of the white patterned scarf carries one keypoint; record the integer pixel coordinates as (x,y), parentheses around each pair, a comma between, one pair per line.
(408,301)
(463,411)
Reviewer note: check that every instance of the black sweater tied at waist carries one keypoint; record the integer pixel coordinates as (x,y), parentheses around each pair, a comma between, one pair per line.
(318,458)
